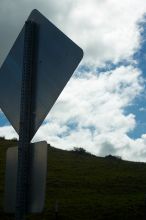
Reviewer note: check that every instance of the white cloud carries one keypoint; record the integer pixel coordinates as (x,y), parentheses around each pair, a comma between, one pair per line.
(8,132)
(90,112)
(106,30)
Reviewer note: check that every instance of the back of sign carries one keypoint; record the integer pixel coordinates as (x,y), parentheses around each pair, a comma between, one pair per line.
(56,58)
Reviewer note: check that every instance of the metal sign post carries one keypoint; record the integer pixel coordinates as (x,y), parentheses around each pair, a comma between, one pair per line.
(24,151)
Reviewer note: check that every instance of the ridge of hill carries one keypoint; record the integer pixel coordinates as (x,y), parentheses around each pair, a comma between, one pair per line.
(87,187)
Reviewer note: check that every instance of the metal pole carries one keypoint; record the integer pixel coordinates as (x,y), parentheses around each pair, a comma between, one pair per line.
(25,121)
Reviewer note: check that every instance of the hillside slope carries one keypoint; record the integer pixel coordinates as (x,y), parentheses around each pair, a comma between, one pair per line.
(87,187)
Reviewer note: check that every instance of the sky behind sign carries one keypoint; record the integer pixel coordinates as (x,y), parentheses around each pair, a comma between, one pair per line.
(103,107)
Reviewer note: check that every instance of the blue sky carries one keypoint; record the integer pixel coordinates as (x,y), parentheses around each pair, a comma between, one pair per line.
(103,106)
(3,120)
(139,106)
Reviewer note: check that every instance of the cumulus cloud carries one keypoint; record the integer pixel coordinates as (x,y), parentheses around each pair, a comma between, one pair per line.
(90,112)
(8,132)
(106,30)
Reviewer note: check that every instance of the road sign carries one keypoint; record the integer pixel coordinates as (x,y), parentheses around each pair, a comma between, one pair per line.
(37,178)
(56,59)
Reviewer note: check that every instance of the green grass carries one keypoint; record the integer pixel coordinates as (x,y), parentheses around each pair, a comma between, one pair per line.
(87,187)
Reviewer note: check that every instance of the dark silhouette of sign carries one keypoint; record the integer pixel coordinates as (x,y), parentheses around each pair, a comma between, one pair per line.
(33,75)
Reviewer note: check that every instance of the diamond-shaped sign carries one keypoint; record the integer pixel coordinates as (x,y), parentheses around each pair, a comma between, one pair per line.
(56,59)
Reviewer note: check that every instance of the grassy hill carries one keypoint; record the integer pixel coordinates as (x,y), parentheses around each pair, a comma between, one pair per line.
(87,187)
